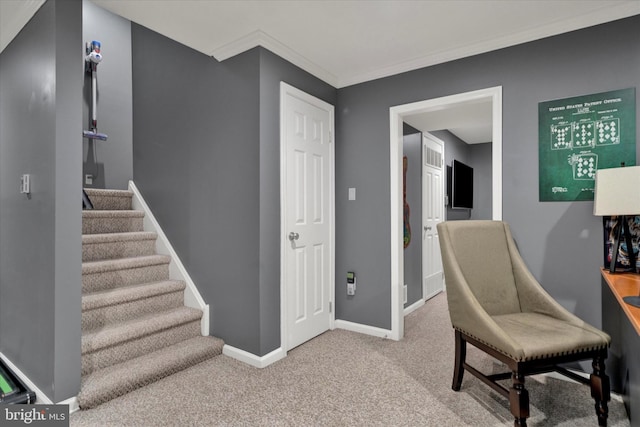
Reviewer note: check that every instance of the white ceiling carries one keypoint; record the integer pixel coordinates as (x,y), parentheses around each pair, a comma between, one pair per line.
(471,122)
(345,42)
(350,41)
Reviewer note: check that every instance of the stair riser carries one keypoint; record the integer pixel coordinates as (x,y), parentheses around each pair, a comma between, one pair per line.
(145,333)
(100,389)
(100,317)
(114,250)
(133,276)
(138,347)
(111,225)
(110,202)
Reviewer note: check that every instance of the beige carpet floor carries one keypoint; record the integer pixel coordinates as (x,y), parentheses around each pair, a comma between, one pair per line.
(343,378)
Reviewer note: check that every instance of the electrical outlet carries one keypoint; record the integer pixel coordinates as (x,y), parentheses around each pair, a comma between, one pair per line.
(351,289)
(88,179)
(351,283)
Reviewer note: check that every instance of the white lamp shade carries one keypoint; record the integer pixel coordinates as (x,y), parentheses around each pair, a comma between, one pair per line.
(617,191)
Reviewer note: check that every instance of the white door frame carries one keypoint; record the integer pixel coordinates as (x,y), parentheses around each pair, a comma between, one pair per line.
(285,90)
(396,115)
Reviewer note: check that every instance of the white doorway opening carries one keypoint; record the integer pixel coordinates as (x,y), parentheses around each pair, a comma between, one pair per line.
(396,116)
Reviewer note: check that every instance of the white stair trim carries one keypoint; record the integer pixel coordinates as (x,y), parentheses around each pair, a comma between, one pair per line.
(192,297)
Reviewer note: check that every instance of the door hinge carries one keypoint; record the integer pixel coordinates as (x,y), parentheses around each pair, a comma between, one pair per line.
(330,307)
(330,137)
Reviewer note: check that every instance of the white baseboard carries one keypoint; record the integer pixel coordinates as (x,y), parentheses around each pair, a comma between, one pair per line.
(41,398)
(73,404)
(363,329)
(279,353)
(413,307)
(252,359)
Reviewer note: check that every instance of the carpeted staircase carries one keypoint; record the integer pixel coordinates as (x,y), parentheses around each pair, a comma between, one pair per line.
(135,326)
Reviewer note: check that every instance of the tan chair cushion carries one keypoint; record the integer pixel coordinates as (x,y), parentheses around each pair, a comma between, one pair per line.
(542,336)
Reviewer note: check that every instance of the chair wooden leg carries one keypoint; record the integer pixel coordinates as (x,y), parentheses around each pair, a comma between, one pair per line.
(519,400)
(461,354)
(600,390)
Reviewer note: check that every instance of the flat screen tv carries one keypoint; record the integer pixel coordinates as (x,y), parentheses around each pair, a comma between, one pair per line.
(460,185)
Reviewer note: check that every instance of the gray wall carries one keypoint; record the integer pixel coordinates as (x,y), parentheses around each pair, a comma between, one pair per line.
(40,134)
(455,148)
(196,133)
(206,158)
(412,148)
(110,162)
(480,155)
(561,242)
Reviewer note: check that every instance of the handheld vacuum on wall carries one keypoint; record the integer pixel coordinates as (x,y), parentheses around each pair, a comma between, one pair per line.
(92,59)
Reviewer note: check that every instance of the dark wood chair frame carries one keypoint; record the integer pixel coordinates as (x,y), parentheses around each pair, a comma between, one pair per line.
(518,395)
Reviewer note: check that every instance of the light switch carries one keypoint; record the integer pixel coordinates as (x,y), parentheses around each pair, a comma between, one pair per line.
(352,193)
(25,184)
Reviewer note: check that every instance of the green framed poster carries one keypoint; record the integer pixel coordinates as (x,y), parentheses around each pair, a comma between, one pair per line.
(580,135)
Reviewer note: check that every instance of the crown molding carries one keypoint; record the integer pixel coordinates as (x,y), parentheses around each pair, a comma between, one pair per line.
(262,39)
(601,16)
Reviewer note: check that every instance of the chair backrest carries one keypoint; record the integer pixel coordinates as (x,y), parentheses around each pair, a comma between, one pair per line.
(475,254)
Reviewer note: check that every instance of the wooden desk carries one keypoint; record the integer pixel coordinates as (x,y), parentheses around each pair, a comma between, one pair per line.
(622,322)
(624,285)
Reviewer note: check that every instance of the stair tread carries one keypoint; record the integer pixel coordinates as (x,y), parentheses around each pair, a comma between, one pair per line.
(116,333)
(108,192)
(129,293)
(131,334)
(118,237)
(124,213)
(116,380)
(93,267)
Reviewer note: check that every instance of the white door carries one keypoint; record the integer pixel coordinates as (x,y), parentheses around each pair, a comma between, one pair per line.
(432,214)
(308,211)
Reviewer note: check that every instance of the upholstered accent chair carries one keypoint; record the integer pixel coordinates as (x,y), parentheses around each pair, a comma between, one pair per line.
(496,305)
